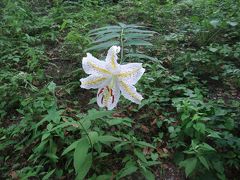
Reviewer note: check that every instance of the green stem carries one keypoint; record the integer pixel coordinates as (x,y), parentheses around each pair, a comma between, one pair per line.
(121,41)
(91,144)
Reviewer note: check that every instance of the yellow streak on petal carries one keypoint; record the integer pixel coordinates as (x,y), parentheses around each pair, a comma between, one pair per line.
(129,91)
(98,68)
(95,81)
(128,73)
(113,62)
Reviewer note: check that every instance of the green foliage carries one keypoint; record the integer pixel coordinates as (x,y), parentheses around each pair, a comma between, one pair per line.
(188,120)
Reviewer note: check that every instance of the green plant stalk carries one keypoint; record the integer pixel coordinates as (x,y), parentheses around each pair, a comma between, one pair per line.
(121,41)
(89,139)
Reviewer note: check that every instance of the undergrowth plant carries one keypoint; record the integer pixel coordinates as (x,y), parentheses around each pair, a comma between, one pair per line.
(187,123)
(129,37)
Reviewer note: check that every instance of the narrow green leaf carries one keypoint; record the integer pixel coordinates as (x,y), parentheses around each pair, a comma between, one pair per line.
(137,42)
(207,147)
(144,144)
(106,31)
(106,37)
(104,28)
(70,148)
(118,146)
(117,121)
(47,176)
(122,25)
(102,46)
(141,56)
(134,26)
(138,30)
(45,136)
(136,35)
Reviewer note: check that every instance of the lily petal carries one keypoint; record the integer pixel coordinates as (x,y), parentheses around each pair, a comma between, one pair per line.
(94,81)
(108,97)
(131,73)
(112,57)
(129,92)
(92,65)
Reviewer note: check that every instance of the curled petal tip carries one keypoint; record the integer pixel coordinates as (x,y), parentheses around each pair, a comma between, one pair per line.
(115,49)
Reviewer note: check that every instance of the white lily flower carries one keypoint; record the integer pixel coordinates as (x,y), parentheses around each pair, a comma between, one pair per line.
(112,79)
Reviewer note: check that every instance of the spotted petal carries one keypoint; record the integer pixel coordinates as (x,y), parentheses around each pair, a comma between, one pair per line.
(92,65)
(131,73)
(108,97)
(112,57)
(94,81)
(129,92)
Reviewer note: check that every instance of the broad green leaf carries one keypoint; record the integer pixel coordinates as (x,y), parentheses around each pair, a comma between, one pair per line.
(127,171)
(232,23)
(63,125)
(52,86)
(212,49)
(203,161)
(229,123)
(148,174)
(85,123)
(80,154)
(207,147)
(53,115)
(117,121)
(189,165)
(93,136)
(103,177)
(107,138)
(154,156)
(215,23)
(200,127)
(144,144)
(85,167)
(214,134)
(93,114)
(140,155)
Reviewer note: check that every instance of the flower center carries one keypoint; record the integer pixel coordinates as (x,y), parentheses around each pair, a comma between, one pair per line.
(108,92)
